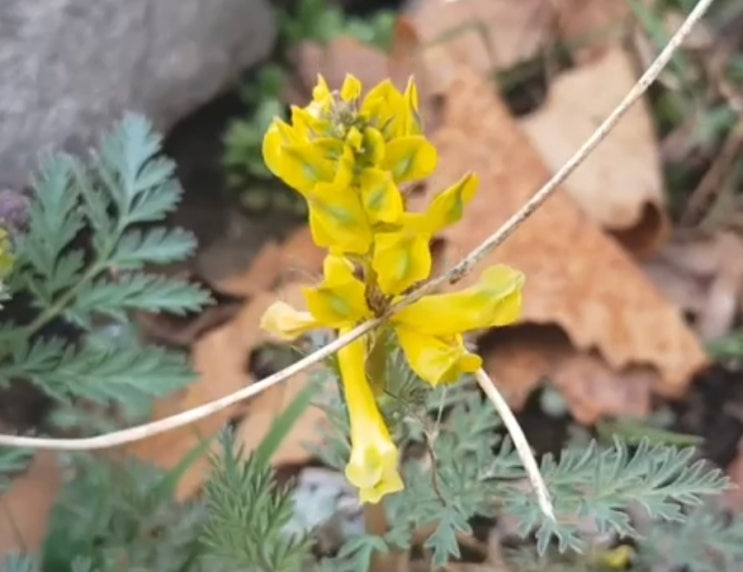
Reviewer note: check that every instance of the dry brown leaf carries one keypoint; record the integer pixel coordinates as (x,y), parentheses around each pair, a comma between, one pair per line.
(295,259)
(484,34)
(302,258)
(177,331)
(264,408)
(25,506)
(620,185)
(267,406)
(588,26)
(260,276)
(222,358)
(577,277)
(521,358)
(342,55)
(703,275)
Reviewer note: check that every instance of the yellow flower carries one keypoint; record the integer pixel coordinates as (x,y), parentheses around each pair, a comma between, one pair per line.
(302,163)
(372,466)
(338,220)
(430,330)
(380,196)
(402,256)
(346,155)
(339,302)
(286,323)
(394,113)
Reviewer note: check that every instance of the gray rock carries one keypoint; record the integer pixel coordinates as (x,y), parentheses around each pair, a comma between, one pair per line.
(70,68)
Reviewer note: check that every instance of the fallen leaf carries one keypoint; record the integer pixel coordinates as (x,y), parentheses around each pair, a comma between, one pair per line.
(702,274)
(260,276)
(178,331)
(264,408)
(577,277)
(620,185)
(342,55)
(590,26)
(297,258)
(221,359)
(302,259)
(485,34)
(25,506)
(521,358)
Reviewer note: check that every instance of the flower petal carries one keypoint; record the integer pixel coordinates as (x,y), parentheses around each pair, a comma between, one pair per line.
(380,196)
(286,323)
(372,466)
(273,141)
(351,88)
(413,124)
(301,166)
(374,145)
(381,100)
(494,301)
(436,359)
(340,299)
(401,258)
(338,220)
(448,206)
(410,158)
(307,123)
(322,96)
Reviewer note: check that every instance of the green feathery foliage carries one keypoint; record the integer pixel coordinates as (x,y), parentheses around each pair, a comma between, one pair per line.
(93,230)
(112,517)
(307,21)
(249,514)
(467,468)
(706,541)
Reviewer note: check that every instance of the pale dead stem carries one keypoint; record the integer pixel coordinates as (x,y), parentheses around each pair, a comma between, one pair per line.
(454,274)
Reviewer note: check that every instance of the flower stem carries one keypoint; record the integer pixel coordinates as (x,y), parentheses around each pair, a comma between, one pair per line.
(519,441)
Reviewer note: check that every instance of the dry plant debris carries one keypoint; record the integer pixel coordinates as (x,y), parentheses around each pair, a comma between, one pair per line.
(702,273)
(486,34)
(578,278)
(222,358)
(620,185)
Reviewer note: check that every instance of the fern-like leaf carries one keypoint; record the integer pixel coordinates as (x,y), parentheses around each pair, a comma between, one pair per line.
(135,291)
(601,484)
(248,514)
(124,373)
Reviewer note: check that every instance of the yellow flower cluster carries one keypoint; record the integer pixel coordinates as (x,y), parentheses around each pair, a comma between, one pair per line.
(348,156)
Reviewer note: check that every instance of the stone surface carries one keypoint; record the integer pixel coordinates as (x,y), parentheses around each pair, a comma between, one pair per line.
(70,68)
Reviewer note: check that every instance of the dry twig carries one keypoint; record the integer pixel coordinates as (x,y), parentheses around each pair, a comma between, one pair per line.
(708,191)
